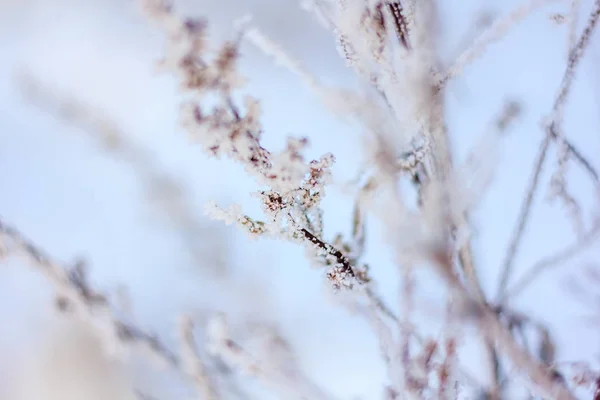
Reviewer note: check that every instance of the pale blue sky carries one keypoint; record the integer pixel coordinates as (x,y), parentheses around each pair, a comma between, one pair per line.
(73,199)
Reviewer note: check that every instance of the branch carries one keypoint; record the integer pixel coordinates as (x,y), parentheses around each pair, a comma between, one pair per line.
(280,376)
(580,158)
(552,132)
(517,236)
(553,261)
(76,297)
(400,22)
(495,32)
(192,362)
(541,379)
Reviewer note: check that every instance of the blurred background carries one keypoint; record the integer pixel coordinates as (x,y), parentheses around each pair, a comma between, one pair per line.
(134,211)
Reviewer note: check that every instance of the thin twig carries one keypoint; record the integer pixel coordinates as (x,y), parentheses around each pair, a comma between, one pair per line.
(516,238)
(75,296)
(574,59)
(400,22)
(192,362)
(579,157)
(573,20)
(496,31)
(552,132)
(540,377)
(554,260)
(280,377)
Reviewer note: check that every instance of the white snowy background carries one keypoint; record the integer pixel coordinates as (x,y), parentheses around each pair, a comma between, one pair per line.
(77,200)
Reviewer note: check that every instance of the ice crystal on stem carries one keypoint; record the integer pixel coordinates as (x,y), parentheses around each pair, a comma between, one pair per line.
(295,186)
